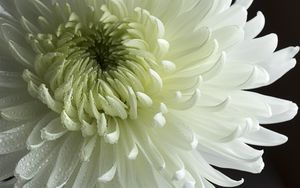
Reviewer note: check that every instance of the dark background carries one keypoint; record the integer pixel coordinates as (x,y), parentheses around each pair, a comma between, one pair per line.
(282,162)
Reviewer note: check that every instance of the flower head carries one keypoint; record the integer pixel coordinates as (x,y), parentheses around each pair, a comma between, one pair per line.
(130,93)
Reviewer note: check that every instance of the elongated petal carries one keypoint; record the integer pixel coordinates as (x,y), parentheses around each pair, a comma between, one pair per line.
(14,139)
(66,161)
(8,164)
(25,111)
(28,168)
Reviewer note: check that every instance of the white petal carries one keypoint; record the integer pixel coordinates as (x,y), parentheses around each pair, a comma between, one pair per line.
(199,165)
(243,76)
(188,103)
(215,69)
(159,120)
(15,139)
(9,7)
(12,33)
(43,9)
(125,170)
(30,27)
(13,100)
(175,167)
(175,83)
(8,164)
(8,64)
(144,99)
(106,161)
(235,15)
(11,80)
(231,160)
(254,26)
(168,66)
(25,111)
(68,122)
(262,47)
(146,172)
(185,43)
(23,55)
(132,104)
(40,180)
(256,107)
(157,82)
(177,133)
(36,160)
(47,99)
(53,130)
(235,150)
(88,148)
(113,136)
(190,58)
(151,152)
(8,184)
(87,174)
(117,107)
(221,6)
(265,137)
(73,177)
(228,36)
(280,110)
(66,161)
(179,27)
(280,63)
(244,3)
(128,142)
(109,175)
(35,140)
(5,125)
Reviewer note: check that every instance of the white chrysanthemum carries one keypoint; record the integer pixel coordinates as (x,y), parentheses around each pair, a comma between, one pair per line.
(135,93)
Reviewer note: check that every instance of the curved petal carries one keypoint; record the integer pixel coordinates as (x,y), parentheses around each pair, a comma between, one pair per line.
(66,161)
(8,164)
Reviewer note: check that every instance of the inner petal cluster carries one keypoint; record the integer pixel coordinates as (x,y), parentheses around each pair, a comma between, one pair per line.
(100,71)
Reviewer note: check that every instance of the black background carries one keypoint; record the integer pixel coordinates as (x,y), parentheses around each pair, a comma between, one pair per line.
(282,162)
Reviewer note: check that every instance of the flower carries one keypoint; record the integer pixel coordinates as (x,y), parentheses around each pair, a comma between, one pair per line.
(131,94)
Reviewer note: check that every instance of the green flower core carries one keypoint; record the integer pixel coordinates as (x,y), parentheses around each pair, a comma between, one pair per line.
(100,71)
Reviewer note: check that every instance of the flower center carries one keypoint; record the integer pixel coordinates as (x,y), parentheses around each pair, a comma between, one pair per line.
(105,52)
(102,43)
(98,72)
